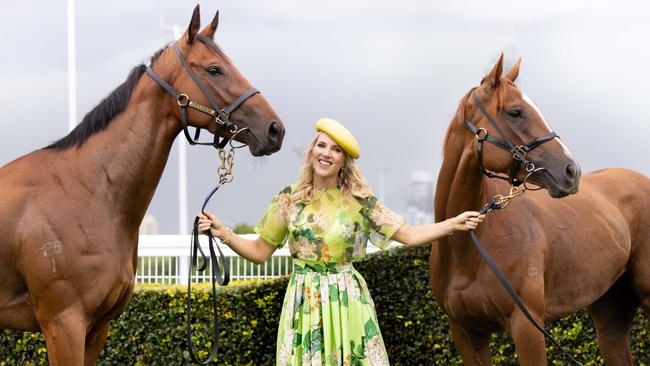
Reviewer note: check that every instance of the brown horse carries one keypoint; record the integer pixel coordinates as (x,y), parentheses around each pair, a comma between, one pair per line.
(590,249)
(71,211)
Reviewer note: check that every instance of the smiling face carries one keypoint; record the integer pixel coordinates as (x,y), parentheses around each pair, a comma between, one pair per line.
(327,159)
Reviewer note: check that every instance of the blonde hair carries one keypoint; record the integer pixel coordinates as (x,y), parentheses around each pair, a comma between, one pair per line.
(350,180)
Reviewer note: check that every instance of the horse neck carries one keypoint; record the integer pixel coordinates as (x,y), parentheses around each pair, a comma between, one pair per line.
(461,184)
(461,187)
(127,159)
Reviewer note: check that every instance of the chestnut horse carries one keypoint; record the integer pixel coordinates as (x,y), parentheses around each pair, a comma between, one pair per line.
(71,211)
(589,249)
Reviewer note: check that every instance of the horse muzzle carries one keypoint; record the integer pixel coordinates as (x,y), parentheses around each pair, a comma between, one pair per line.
(558,183)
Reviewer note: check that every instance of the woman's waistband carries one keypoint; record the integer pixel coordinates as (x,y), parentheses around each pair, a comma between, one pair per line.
(304,266)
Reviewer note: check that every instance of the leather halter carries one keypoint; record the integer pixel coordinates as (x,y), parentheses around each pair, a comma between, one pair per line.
(221,115)
(518,151)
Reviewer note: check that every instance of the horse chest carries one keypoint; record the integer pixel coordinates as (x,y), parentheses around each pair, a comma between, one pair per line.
(473,305)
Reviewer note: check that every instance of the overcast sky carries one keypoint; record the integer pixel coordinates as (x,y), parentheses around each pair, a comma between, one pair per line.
(392,71)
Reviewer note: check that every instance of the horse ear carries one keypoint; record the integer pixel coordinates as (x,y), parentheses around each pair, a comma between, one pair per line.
(494,77)
(514,71)
(209,30)
(195,25)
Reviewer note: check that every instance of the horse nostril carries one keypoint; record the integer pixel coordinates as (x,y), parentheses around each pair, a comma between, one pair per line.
(275,130)
(572,171)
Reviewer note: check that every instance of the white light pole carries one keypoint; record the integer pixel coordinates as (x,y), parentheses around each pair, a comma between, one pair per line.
(184,262)
(182,169)
(182,152)
(72,69)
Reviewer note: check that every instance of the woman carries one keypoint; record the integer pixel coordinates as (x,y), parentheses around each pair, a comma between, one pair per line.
(328,317)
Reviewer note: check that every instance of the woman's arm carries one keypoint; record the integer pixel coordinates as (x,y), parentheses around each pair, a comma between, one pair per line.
(424,234)
(256,251)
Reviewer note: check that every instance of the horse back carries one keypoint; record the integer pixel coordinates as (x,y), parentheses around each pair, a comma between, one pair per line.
(627,191)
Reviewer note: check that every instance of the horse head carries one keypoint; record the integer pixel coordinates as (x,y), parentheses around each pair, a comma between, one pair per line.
(204,76)
(520,142)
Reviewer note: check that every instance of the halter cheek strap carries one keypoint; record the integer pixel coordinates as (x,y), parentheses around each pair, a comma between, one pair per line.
(518,151)
(221,115)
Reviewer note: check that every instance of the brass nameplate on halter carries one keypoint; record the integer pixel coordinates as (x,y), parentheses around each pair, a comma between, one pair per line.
(201,107)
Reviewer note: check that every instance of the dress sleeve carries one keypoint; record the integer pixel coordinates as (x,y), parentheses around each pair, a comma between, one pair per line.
(382,222)
(273,226)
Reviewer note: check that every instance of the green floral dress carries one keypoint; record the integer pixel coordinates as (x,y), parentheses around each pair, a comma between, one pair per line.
(328,317)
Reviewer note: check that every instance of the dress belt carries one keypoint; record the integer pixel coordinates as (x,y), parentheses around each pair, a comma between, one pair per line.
(305,266)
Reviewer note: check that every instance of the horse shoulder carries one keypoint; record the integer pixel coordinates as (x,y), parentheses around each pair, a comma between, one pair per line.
(21,182)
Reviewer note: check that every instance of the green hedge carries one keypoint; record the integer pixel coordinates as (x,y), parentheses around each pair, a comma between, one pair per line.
(152,329)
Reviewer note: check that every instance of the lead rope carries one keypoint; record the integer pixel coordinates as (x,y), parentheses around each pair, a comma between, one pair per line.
(225,176)
(496,203)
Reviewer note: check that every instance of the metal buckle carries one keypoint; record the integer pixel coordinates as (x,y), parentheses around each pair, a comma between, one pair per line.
(503,200)
(519,153)
(222,118)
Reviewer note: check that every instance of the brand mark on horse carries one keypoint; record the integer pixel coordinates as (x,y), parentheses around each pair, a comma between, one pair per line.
(50,249)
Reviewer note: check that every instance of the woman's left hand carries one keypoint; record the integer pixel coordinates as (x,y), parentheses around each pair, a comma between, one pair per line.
(466,221)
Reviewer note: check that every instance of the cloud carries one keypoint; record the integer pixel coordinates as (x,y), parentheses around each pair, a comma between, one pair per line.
(393,71)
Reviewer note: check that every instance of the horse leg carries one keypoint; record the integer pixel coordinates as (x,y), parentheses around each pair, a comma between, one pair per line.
(65,335)
(529,341)
(613,314)
(474,348)
(95,341)
(639,268)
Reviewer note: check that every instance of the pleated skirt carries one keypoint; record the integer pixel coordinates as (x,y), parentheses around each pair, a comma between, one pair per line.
(328,318)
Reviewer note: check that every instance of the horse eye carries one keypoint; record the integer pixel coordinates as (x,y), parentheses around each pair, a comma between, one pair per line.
(514,113)
(213,70)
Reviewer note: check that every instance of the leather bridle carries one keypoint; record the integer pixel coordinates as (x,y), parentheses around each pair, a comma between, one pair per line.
(221,115)
(518,151)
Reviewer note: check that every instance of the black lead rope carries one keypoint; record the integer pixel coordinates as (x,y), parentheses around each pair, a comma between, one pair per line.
(222,119)
(215,276)
(494,205)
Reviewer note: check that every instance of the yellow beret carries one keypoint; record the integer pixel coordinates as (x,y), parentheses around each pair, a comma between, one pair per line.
(340,135)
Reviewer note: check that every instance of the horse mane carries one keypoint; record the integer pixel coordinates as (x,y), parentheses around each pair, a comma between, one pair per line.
(460,112)
(101,116)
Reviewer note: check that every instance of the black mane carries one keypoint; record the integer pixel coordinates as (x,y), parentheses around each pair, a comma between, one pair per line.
(99,117)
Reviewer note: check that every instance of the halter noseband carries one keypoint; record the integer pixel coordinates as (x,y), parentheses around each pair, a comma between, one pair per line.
(221,115)
(518,151)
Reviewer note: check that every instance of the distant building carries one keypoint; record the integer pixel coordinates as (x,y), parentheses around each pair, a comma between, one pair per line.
(419,209)
(149,225)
